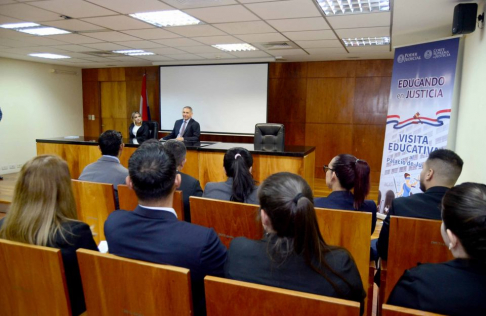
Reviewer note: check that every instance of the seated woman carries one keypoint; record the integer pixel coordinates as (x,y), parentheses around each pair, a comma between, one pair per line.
(43,213)
(138,128)
(240,186)
(344,173)
(455,287)
(293,254)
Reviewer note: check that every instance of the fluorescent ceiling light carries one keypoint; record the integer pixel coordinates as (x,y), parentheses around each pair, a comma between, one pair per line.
(234,47)
(49,56)
(166,18)
(141,54)
(366,41)
(43,30)
(133,52)
(18,25)
(339,7)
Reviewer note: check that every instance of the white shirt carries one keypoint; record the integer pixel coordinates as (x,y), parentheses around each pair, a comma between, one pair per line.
(165,209)
(135,129)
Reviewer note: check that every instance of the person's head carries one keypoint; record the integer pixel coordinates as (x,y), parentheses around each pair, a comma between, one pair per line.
(152,172)
(43,200)
(464,220)
(178,149)
(186,112)
(442,168)
(237,164)
(136,118)
(346,172)
(111,143)
(406,176)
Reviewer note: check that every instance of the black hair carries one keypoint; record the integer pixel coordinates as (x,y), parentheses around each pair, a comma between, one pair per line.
(237,163)
(152,171)
(110,142)
(451,166)
(178,149)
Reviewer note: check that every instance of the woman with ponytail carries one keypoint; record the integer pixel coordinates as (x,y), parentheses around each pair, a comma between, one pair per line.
(343,174)
(292,254)
(240,186)
(456,287)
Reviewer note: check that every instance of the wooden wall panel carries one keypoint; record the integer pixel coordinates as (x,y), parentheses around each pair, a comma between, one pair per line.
(332,69)
(374,68)
(113,107)
(368,145)
(371,100)
(294,133)
(287,100)
(287,70)
(90,75)
(111,74)
(91,106)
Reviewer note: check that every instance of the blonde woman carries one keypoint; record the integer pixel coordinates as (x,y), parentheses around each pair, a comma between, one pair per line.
(43,213)
(138,128)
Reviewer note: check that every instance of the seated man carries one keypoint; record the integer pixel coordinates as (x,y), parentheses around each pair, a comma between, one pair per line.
(189,185)
(152,232)
(108,168)
(439,173)
(186,129)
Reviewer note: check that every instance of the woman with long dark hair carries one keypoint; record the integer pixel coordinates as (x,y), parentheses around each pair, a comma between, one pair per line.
(456,287)
(293,254)
(240,186)
(343,174)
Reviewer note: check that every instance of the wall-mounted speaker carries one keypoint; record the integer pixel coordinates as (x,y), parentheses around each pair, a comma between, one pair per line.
(464,18)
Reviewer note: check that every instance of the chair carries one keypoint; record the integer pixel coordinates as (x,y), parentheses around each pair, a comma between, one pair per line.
(229,219)
(94,202)
(128,200)
(412,240)
(114,285)
(229,297)
(153,129)
(390,310)
(269,137)
(32,280)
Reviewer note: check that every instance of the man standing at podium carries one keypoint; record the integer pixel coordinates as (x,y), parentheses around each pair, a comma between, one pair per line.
(186,129)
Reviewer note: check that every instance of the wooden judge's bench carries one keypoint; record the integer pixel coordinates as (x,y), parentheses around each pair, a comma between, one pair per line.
(204,159)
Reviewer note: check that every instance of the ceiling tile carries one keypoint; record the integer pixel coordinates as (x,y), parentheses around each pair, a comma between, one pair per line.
(76,39)
(233,13)
(180,4)
(364,32)
(28,13)
(220,55)
(73,48)
(73,8)
(6,19)
(5,33)
(118,22)
(14,43)
(167,51)
(360,20)
(319,43)
(74,25)
(151,34)
(187,57)
(156,58)
(42,41)
(286,52)
(141,44)
(304,24)
(330,50)
(284,9)
(6,1)
(253,1)
(106,46)
(200,49)
(131,6)
(253,27)
(262,38)
(250,54)
(310,35)
(195,30)
(177,42)
(369,49)
(112,36)
(212,40)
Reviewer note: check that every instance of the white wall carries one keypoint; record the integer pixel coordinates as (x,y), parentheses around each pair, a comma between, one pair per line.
(36,104)
(471,128)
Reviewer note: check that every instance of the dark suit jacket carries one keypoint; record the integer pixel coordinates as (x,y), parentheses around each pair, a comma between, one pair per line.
(158,236)
(224,190)
(78,236)
(191,134)
(422,205)
(344,200)
(142,133)
(189,187)
(456,287)
(248,260)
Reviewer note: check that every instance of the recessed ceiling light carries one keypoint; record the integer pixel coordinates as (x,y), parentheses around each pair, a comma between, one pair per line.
(339,7)
(49,56)
(366,41)
(141,54)
(43,30)
(19,25)
(234,47)
(133,52)
(166,18)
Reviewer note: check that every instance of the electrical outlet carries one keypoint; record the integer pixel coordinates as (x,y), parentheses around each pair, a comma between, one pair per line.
(4,167)
(12,166)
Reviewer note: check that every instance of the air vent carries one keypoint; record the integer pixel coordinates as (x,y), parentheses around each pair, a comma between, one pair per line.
(277,45)
(101,53)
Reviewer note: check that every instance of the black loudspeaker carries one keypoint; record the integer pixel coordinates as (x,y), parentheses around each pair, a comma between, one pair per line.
(464,18)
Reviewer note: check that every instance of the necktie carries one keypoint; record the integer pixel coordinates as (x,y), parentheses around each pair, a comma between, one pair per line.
(183,128)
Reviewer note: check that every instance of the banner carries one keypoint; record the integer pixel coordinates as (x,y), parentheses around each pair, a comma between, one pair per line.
(144,106)
(419,112)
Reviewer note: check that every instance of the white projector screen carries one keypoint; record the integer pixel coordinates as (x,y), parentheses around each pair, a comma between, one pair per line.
(226,99)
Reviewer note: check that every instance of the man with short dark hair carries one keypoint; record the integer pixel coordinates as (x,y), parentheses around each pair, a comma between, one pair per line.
(187,129)
(439,173)
(189,185)
(108,168)
(152,231)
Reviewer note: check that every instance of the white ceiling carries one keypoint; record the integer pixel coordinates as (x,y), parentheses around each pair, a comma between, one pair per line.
(104,25)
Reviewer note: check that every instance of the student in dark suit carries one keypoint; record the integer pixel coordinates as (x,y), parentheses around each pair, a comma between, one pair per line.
(456,287)
(152,231)
(344,173)
(43,213)
(293,255)
(138,129)
(189,185)
(187,129)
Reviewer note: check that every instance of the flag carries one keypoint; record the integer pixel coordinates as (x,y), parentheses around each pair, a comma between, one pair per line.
(144,106)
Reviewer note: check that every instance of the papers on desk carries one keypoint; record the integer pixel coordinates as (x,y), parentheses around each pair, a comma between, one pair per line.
(71,137)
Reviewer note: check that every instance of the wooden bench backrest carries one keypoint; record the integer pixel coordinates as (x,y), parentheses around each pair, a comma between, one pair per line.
(32,280)
(94,202)
(128,200)
(230,297)
(114,286)
(229,219)
(413,240)
(390,310)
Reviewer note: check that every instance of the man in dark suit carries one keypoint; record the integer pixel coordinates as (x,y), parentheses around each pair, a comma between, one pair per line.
(189,185)
(186,129)
(152,231)
(439,173)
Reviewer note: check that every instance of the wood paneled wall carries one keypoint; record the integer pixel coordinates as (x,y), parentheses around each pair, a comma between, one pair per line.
(336,106)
